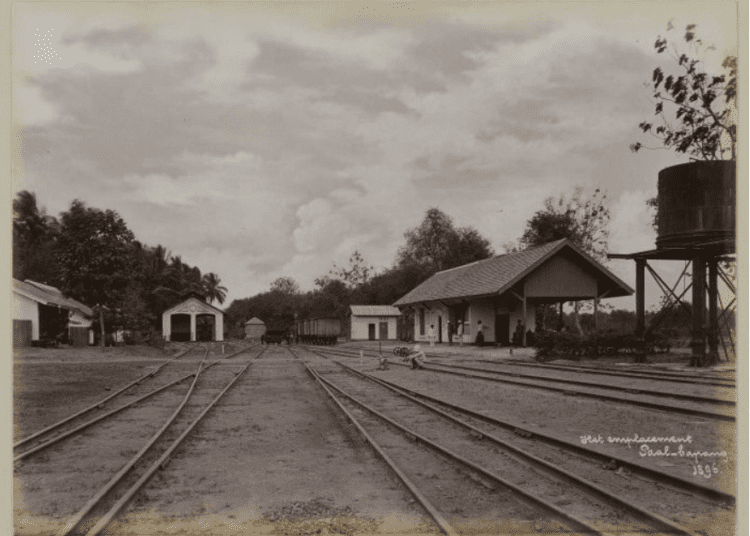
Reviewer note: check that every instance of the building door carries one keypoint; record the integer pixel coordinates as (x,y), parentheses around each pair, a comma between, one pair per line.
(440,329)
(371,332)
(384,331)
(502,329)
(179,328)
(205,327)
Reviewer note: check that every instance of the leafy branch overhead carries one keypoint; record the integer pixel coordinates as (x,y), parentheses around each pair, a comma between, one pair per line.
(704,106)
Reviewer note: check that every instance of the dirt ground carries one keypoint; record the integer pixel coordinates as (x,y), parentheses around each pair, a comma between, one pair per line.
(276,456)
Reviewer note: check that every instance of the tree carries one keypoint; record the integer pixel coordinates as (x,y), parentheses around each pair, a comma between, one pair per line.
(580,220)
(358,272)
(285,285)
(437,245)
(34,241)
(95,257)
(212,288)
(704,105)
(583,221)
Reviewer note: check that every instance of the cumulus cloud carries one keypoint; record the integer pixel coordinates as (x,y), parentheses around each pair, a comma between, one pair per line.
(261,142)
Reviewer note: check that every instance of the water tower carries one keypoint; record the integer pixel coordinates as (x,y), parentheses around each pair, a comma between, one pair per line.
(696,224)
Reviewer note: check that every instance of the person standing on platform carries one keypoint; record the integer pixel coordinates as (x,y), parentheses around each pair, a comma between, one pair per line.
(480,334)
(431,334)
(460,333)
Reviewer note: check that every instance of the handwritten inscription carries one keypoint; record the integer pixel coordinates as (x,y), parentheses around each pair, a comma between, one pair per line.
(637,439)
(664,447)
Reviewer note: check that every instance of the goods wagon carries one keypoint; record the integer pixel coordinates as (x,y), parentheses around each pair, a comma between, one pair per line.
(323,331)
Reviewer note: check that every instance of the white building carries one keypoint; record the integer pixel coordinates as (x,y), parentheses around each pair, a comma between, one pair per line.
(373,323)
(193,320)
(255,328)
(42,312)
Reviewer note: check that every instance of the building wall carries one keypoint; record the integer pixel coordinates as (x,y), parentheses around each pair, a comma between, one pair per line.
(562,278)
(431,316)
(361,331)
(27,309)
(192,307)
(254,331)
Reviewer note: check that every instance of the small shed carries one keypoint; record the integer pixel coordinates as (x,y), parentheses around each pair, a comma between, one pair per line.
(193,320)
(373,323)
(255,328)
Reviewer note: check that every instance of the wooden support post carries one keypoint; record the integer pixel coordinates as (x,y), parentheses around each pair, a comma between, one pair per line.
(523,322)
(640,297)
(698,342)
(596,311)
(713,317)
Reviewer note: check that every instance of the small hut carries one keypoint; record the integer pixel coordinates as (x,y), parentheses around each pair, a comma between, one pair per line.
(255,328)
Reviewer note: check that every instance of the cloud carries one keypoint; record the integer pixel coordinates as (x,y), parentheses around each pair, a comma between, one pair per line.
(267,144)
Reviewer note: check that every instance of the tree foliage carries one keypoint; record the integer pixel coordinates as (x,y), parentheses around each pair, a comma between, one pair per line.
(92,256)
(582,220)
(436,244)
(703,105)
(35,237)
(358,273)
(285,285)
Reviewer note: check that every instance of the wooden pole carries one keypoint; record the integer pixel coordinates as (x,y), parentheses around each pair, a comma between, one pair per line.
(698,342)
(640,297)
(713,316)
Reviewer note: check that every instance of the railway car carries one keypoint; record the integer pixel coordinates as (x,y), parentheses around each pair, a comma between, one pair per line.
(322,331)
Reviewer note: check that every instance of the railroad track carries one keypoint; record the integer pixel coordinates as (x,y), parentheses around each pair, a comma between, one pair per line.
(666,376)
(166,375)
(511,472)
(675,377)
(651,399)
(212,378)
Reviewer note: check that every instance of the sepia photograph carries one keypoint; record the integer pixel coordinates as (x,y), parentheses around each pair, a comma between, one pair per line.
(302,268)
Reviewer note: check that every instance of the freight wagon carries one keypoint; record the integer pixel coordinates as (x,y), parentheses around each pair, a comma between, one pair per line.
(324,331)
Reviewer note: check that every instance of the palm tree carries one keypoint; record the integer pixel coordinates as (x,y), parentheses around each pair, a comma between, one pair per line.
(213,289)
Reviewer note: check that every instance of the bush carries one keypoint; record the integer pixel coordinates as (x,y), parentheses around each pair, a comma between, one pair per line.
(553,344)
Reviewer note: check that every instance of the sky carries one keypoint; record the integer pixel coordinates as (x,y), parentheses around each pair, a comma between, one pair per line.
(266,140)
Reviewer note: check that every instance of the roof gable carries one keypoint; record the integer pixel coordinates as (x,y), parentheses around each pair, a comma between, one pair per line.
(48,295)
(193,305)
(374,310)
(498,274)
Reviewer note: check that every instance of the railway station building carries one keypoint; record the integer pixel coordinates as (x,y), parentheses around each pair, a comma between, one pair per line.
(193,320)
(495,296)
(373,323)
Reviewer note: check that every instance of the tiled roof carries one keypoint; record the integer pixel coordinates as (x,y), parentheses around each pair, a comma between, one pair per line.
(255,320)
(497,275)
(49,296)
(374,310)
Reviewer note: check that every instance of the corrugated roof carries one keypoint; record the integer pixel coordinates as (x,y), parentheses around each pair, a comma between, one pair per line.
(497,275)
(255,320)
(374,310)
(49,295)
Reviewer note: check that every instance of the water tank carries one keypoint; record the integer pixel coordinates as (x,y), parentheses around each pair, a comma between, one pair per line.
(697,204)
